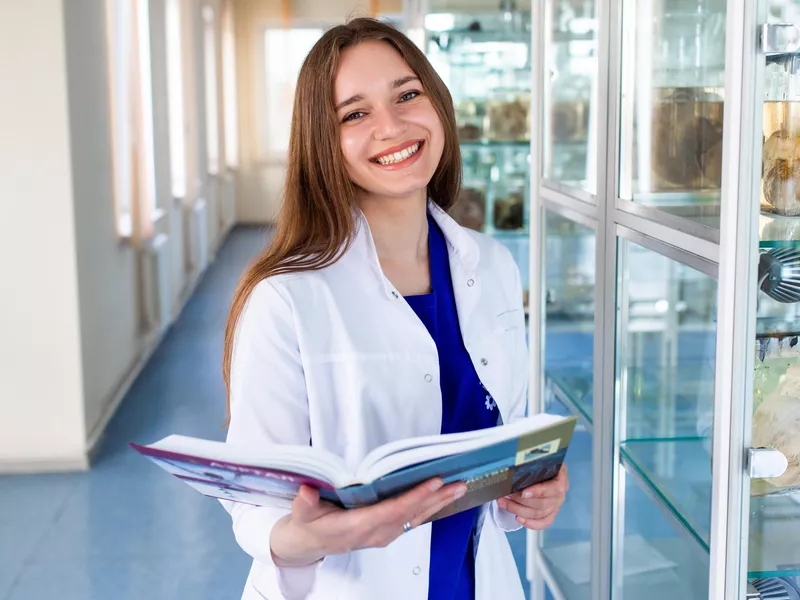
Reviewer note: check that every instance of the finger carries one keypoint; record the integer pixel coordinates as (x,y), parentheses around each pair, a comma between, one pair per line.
(382,523)
(538,524)
(541,511)
(548,489)
(307,505)
(536,503)
(443,499)
(398,509)
(563,476)
(388,514)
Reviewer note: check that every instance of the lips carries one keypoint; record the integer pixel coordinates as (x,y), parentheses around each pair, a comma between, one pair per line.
(399,153)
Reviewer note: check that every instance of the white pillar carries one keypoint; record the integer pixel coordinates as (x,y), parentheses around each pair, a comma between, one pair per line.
(41,383)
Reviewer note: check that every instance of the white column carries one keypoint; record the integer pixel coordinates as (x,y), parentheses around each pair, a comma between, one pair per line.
(41,383)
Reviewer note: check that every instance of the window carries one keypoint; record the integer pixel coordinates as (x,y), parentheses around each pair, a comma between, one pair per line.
(285,50)
(132,117)
(229,89)
(211,89)
(177,114)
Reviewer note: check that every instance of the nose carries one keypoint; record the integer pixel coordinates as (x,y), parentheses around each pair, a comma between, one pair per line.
(389,123)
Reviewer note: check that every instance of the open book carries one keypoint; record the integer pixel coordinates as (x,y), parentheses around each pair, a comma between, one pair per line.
(493,462)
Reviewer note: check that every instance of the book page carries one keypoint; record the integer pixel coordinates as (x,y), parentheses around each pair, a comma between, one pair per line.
(210,460)
(405,453)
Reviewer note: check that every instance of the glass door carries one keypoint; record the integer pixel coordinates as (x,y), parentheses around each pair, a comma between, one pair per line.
(662,258)
(568,199)
(769,516)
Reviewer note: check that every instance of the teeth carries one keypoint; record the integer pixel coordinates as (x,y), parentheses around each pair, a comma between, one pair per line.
(390,159)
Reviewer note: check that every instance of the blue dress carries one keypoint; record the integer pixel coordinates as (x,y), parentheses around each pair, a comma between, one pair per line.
(466,406)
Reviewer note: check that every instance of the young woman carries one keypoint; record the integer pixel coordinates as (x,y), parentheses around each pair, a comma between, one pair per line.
(373,317)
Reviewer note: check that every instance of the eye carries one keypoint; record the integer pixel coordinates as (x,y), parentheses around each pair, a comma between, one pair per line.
(410,95)
(353,116)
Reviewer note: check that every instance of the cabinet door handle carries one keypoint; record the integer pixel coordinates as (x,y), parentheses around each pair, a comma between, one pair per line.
(780,38)
(766,463)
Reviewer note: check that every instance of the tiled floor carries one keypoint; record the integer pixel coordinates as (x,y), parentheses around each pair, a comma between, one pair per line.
(124,530)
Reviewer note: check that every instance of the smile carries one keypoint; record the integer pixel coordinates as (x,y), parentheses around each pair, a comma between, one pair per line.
(399,156)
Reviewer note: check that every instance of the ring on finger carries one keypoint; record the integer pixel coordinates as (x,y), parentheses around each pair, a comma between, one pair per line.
(407,526)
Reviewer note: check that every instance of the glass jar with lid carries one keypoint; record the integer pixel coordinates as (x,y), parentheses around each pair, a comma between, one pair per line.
(780,182)
(687,95)
(508,116)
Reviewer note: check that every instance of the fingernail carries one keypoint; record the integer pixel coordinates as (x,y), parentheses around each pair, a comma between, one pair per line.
(460,492)
(435,485)
(527,494)
(520,520)
(502,504)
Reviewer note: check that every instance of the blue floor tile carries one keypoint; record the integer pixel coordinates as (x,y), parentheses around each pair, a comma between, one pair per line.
(28,507)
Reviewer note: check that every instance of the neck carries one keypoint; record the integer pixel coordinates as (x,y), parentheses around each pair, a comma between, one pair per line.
(399,227)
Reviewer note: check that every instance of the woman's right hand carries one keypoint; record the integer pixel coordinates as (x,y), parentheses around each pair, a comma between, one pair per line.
(316,528)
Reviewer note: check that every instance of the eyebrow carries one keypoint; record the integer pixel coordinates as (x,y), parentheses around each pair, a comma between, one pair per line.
(359,97)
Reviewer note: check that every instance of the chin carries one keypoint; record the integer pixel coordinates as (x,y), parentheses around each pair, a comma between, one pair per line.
(401,192)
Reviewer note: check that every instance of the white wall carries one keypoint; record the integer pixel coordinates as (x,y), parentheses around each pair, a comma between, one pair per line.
(107,267)
(41,388)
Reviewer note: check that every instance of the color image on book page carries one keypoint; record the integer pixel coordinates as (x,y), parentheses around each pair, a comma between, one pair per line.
(223,491)
(229,480)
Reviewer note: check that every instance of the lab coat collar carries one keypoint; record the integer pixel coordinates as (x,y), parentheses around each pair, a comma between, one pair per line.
(462,249)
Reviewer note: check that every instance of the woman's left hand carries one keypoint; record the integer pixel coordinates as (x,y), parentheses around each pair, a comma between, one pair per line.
(536,507)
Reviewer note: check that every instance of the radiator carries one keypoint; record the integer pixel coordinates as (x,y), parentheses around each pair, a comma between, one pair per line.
(195,221)
(228,197)
(156,281)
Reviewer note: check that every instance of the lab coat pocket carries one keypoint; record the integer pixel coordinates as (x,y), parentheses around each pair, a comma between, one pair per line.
(509,320)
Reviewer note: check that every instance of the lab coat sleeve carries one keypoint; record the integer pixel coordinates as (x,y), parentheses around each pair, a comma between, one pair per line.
(518,408)
(268,406)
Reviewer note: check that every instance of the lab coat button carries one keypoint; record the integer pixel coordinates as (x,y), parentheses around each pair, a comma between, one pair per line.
(395,294)
(428,377)
(470,282)
(484,362)
(417,570)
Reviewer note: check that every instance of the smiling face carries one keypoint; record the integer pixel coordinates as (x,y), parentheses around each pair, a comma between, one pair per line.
(390,133)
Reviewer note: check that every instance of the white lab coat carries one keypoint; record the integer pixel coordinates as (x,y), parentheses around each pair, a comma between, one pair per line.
(337,358)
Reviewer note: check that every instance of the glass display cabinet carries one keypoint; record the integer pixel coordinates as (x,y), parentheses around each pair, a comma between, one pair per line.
(665,295)
(484,59)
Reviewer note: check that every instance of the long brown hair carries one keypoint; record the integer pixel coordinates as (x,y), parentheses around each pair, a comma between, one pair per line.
(317,219)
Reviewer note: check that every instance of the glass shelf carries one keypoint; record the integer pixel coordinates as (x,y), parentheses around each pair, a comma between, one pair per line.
(478,41)
(777,328)
(779,244)
(573,386)
(507,234)
(469,144)
(702,207)
(776,231)
(669,402)
(677,473)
